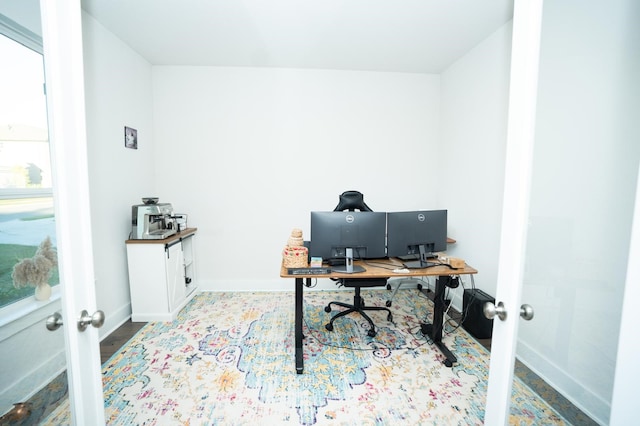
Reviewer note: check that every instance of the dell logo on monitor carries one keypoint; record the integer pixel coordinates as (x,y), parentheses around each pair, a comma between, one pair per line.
(350,218)
(420,217)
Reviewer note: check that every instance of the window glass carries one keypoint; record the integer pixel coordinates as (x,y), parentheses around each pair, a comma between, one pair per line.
(26,201)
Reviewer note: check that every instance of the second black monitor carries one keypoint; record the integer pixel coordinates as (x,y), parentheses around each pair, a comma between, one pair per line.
(417,233)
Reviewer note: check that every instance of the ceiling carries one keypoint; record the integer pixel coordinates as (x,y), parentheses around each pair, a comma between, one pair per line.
(415,36)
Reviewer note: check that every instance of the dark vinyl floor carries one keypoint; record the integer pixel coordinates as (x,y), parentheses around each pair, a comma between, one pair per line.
(113,342)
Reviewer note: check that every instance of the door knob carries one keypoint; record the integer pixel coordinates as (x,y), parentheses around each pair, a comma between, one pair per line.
(54,321)
(96,320)
(526,312)
(490,311)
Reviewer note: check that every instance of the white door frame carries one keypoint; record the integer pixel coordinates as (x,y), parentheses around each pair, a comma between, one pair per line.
(64,74)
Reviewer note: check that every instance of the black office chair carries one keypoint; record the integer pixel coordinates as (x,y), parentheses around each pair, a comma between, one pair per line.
(354,200)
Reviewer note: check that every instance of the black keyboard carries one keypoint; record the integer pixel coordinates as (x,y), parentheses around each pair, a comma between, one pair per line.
(309,271)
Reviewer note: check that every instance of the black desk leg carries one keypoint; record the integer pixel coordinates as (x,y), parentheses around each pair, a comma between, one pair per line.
(298,327)
(435,331)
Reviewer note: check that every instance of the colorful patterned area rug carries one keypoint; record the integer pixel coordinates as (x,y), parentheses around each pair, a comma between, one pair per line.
(229,359)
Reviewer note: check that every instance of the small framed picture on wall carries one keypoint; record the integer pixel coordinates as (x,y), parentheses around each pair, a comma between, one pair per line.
(130,138)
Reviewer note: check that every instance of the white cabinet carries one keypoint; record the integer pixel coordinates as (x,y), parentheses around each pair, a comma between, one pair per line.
(174,262)
(161,276)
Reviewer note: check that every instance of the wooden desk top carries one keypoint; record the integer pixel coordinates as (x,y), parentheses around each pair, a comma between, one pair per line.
(182,234)
(383,268)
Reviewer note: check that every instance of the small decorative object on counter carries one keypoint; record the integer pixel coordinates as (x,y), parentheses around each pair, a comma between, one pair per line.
(295,240)
(295,254)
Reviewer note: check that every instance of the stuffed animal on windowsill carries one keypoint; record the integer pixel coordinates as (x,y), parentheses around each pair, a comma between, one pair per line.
(37,270)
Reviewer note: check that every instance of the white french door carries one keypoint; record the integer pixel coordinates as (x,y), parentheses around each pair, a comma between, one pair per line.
(62,41)
(527,21)
(536,220)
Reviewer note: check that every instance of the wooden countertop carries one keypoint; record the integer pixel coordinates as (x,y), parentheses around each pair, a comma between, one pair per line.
(182,234)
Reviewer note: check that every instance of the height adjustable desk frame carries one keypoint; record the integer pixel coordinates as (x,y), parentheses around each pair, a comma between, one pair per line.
(443,273)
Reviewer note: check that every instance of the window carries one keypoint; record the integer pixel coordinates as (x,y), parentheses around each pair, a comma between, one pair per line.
(26,196)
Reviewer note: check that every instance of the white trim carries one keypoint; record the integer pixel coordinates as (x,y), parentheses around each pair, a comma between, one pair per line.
(16,193)
(115,320)
(22,314)
(20,34)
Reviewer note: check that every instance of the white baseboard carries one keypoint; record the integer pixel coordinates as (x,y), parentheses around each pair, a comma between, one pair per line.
(114,320)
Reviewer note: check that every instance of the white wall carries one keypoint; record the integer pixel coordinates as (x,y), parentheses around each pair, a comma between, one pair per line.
(118,94)
(249,153)
(475,92)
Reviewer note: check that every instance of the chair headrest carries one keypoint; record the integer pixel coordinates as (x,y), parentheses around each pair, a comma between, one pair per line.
(352,200)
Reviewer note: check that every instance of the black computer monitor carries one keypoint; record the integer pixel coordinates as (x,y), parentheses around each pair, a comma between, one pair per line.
(347,236)
(416,234)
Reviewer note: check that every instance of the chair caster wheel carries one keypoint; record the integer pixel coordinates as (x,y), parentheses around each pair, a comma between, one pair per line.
(329,327)
(390,318)
(388,304)
(448,363)
(388,286)
(371,333)
(419,286)
(327,308)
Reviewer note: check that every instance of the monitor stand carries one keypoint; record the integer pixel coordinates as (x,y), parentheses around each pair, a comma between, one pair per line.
(408,257)
(349,267)
(419,264)
(422,260)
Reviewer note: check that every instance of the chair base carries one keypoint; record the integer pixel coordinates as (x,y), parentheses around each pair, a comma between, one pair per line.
(418,282)
(359,307)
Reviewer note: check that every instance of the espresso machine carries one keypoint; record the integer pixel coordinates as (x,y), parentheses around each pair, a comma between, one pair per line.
(152,220)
